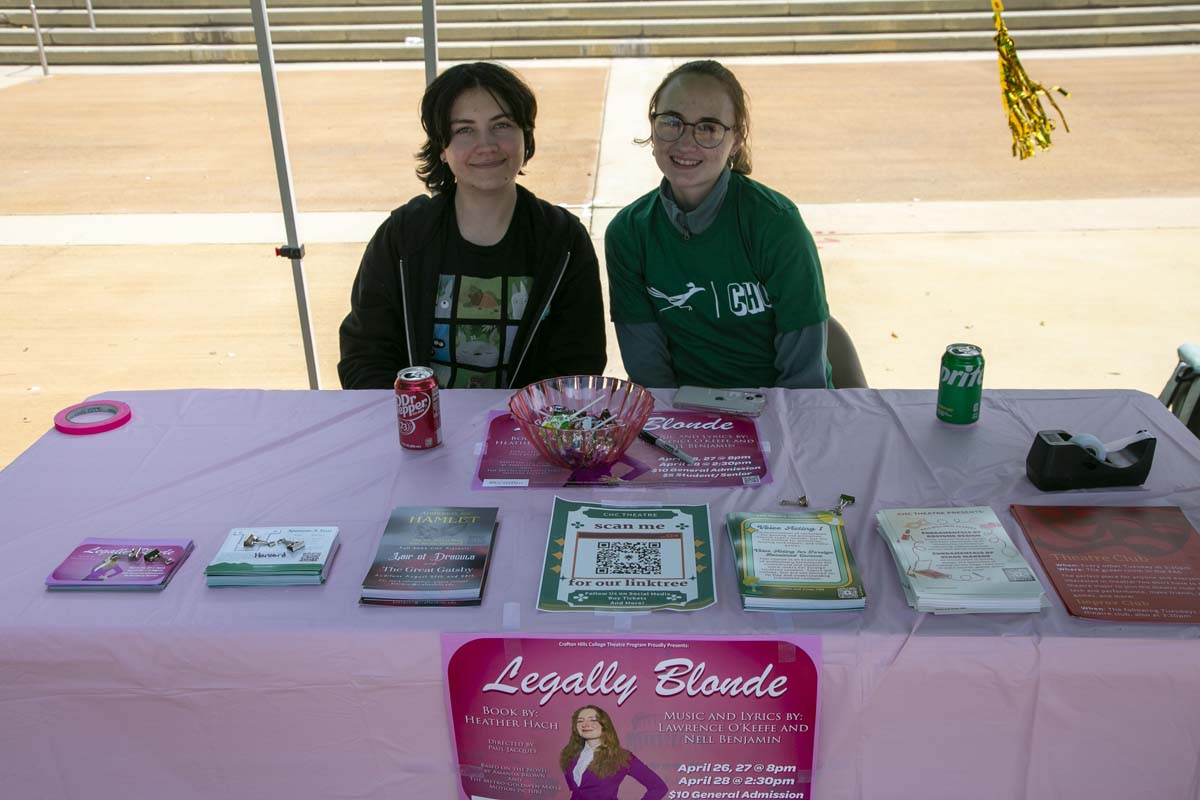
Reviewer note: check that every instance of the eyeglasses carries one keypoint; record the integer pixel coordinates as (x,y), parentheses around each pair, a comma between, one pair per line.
(707,133)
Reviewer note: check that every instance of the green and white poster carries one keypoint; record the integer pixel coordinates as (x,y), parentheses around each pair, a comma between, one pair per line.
(627,558)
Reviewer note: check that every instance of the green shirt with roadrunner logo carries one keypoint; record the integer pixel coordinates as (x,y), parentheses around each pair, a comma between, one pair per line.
(721,295)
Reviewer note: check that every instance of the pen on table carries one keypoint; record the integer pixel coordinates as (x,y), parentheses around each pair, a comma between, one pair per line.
(666,446)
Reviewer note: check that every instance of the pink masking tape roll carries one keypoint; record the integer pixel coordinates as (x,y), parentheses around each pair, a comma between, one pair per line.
(64,420)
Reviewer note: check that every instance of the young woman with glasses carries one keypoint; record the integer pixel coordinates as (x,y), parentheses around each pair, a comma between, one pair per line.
(482,281)
(714,279)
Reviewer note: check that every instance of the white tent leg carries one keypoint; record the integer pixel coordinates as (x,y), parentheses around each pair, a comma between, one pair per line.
(283,171)
(429,29)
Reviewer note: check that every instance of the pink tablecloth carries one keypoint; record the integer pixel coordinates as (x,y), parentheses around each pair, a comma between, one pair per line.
(299,692)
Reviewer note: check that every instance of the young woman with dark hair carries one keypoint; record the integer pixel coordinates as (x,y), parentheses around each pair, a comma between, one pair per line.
(594,763)
(714,279)
(482,281)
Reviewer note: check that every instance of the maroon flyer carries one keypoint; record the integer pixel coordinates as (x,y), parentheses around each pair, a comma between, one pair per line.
(1118,563)
(726,450)
(549,717)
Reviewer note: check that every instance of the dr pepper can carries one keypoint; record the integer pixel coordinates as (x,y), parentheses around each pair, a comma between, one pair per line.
(417,411)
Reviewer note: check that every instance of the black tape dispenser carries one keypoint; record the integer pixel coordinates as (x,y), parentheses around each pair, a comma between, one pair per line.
(1059,461)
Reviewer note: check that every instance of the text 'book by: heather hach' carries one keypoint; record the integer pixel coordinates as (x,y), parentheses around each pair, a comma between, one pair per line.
(432,556)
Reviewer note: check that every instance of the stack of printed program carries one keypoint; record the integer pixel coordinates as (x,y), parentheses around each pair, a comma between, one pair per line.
(794,562)
(273,557)
(959,561)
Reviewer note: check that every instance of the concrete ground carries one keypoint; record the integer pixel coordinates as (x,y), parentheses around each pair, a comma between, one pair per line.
(139,211)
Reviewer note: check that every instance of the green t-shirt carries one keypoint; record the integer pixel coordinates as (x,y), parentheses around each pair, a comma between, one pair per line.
(721,295)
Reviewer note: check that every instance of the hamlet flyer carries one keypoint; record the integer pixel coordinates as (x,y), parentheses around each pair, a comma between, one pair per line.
(540,717)
(627,558)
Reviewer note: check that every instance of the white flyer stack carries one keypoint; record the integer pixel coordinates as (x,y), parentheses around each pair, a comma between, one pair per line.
(273,557)
(959,561)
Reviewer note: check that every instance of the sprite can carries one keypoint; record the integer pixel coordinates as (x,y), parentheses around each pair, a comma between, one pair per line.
(960,386)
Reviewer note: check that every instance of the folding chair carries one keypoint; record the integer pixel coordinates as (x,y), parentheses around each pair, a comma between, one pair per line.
(843,358)
(1182,392)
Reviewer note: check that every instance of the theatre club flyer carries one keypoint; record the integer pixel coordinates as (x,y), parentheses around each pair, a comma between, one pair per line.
(652,717)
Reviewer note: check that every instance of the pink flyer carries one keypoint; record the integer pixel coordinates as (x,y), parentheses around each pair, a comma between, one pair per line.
(726,450)
(621,718)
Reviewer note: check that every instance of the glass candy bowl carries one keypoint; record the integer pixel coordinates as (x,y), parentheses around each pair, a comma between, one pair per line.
(577,447)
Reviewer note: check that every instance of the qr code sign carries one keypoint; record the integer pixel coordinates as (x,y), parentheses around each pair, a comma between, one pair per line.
(628,558)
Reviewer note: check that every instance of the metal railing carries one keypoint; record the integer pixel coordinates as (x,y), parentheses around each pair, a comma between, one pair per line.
(37,31)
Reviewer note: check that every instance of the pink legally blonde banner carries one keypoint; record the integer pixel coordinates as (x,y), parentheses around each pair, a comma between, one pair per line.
(726,450)
(621,718)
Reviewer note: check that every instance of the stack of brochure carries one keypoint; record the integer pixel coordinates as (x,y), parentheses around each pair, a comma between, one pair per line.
(432,556)
(959,561)
(116,564)
(273,557)
(794,562)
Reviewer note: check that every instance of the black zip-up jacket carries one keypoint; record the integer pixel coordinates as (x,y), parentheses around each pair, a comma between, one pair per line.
(390,324)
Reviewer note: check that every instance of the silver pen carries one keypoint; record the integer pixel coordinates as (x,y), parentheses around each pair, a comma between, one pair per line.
(665,446)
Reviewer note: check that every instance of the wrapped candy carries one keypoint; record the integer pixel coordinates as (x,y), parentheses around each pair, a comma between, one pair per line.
(578,436)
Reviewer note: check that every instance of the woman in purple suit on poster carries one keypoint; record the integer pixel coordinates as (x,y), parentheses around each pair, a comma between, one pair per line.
(595,763)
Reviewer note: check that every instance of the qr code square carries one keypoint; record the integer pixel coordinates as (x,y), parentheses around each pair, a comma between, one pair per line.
(629,558)
(310,557)
(1018,574)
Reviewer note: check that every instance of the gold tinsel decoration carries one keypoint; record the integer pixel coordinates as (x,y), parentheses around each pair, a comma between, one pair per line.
(1027,119)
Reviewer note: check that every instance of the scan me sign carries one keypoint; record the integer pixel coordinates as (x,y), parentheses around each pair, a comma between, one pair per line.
(535,717)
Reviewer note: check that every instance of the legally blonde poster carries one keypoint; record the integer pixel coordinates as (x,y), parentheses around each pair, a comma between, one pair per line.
(632,718)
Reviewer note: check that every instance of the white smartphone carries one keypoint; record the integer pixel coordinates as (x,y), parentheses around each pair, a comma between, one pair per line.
(743,402)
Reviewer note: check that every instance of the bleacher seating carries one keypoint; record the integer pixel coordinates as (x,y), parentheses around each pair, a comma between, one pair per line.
(203,31)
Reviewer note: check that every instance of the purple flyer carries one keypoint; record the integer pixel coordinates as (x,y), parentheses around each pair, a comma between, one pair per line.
(120,564)
(539,717)
(726,450)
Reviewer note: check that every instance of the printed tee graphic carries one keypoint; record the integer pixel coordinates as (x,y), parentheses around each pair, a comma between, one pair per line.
(475,323)
(678,300)
(738,299)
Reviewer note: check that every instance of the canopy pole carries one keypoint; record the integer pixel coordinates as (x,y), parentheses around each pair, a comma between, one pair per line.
(429,26)
(283,171)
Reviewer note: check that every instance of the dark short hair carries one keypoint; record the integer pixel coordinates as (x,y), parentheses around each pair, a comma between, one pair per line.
(741,104)
(509,91)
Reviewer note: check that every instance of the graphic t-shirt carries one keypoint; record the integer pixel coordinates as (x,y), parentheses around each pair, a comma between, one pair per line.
(721,295)
(483,293)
